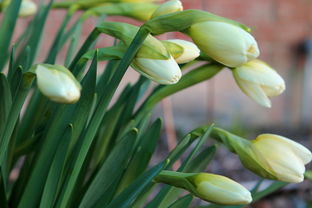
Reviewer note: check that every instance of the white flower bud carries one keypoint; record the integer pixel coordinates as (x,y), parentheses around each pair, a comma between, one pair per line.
(168,7)
(282,157)
(27,8)
(224,42)
(221,190)
(161,71)
(57,83)
(183,51)
(259,81)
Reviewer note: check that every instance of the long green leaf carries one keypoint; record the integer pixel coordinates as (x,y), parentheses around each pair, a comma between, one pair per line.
(33,43)
(57,167)
(198,164)
(110,170)
(127,197)
(183,202)
(100,112)
(160,200)
(142,156)
(7,29)
(5,101)
(3,195)
(13,116)
(61,119)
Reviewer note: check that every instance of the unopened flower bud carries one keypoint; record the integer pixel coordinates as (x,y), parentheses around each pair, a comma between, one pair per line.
(221,190)
(259,81)
(183,51)
(269,156)
(161,71)
(168,7)
(28,8)
(209,187)
(57,83)
(282,157)
(224,42)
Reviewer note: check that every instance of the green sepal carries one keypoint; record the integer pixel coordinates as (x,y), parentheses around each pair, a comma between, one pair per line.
(181,21)
(176,179)
(151,48)
(137,10)
(174,49)
(104,54)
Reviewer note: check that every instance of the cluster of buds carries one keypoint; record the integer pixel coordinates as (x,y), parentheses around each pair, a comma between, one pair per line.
(237,49)
(228,43)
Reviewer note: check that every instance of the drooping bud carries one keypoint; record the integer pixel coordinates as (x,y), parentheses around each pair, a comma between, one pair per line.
(168,7)
(161,71)
(225,43)
(270,156)
(259,81)
(57,83)
(209,187)
(152,60)
(282,156)
(183,51)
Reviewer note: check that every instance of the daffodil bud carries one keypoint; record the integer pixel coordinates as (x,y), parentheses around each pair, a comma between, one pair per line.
(259,81)
(225,43)
(168,7)
(270,156)
(281,156)
(152,60)
(221,190)
(209,187)
(183,51)
(57,83)
(28,8)
(161,71)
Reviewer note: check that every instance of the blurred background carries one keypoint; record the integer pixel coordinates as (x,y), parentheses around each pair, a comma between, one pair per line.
(283,29)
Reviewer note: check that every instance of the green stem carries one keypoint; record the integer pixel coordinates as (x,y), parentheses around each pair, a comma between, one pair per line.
(84,48)
(95,122)
(176,179)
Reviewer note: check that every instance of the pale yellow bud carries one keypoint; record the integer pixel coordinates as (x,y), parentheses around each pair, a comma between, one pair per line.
(282,157)
(209,187)
(224,42)
(259,81)
(57,83)
(162,71)
(168,7)
(27,8)
(183,51)
(221,190)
